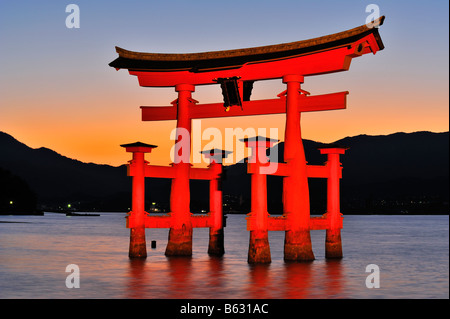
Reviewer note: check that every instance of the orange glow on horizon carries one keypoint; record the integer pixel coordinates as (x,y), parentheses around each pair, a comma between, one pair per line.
(101,144)
(98,142)
(91,127)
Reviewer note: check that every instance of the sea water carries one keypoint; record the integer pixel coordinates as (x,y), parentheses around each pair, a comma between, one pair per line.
(410,252)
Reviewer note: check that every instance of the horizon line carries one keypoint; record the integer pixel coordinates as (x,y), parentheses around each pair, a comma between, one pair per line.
(281,141)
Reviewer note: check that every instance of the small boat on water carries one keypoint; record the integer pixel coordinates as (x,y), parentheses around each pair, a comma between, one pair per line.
(78,214)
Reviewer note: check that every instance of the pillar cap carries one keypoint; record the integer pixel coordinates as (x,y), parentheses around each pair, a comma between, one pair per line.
(215,152)
(138,147)
(259,141)
(332,148)
(293,78)
(184,87)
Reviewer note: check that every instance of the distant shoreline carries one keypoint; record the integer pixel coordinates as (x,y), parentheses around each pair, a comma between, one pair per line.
(313,215)
(8,222)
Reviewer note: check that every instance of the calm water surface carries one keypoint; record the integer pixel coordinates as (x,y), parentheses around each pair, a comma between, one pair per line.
(412,253)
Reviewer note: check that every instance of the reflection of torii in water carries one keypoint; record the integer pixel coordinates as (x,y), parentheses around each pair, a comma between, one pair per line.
(235,71)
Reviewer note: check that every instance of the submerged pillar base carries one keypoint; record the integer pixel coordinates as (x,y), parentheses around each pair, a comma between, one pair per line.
(297,246)
(216,243)
(138,247)
(180,242)
(333,244)
(259,249)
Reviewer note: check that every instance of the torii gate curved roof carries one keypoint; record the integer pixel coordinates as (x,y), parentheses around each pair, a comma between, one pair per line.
(165,69)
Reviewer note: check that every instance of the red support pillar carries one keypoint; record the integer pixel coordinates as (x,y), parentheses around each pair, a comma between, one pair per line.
(136,218)
(138,248)
(259,248)
(180,234)
(216,235)
(297,244)
(333,243)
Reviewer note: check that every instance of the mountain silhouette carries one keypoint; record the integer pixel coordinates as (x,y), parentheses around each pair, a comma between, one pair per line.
(59,181)
(396,173)
(15,195)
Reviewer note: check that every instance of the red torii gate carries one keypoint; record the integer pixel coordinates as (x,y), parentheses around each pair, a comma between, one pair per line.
(138,220)
(235,71)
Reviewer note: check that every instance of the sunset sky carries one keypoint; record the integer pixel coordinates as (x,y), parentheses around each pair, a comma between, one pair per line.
(57,90)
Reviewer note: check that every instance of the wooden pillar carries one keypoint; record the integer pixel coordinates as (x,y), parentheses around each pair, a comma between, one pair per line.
(333,242)
(180,233)
(297,245)
(259,248)
(216,235)
(136,218)
(138,248)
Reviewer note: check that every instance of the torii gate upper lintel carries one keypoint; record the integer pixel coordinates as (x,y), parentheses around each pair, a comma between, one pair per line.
(235,71)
